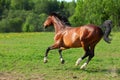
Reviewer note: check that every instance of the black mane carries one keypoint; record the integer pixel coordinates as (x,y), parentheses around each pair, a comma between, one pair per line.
(62,18)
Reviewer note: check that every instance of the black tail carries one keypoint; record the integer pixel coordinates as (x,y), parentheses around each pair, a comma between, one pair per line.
(106,27)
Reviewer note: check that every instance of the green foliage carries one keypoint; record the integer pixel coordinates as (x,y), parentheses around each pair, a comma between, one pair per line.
(29,24)
(34,22)
(13,21)
(46,6)
(79,13)
(4,4)
(67,9)
(71,8)
(21,4)
(96,12)
(11,25)
(4,25)
(87,12)
(15,24)
(29,14)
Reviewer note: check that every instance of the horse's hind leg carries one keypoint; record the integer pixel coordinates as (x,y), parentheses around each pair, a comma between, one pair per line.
(84,56)
(91,55)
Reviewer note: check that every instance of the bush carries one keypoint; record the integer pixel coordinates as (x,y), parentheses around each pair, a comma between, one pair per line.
(4,26)
(34,22)
(11,25)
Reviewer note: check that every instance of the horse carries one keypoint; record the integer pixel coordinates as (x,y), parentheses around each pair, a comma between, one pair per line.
(86,36)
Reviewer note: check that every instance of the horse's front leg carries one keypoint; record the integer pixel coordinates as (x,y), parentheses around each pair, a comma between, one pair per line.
(46,54)
(61,58)
(55,46)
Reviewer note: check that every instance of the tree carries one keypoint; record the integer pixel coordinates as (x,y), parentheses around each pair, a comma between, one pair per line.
(4,5)
(77,18)
(113,11)
(11,25)
(96,12)
(22,4)
(34,22)
(13,21)
(71,7)
(46,6)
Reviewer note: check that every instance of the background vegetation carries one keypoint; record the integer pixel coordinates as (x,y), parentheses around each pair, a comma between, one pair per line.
(29,15)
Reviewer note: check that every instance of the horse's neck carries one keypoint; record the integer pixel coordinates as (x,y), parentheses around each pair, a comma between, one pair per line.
(58,25)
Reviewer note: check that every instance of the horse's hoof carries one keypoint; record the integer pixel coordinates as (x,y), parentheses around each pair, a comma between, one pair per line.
(83,66)
(63,61)
(45,61)
(78,61)
(76,64)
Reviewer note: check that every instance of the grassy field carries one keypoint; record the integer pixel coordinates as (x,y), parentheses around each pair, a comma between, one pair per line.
(21,58)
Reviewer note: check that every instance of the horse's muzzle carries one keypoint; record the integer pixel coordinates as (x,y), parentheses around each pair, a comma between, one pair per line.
(45,26)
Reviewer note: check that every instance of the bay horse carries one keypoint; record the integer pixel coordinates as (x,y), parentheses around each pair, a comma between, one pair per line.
(66,37)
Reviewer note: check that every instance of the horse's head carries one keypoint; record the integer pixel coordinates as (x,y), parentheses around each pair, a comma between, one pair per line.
(48,22)
(55,17)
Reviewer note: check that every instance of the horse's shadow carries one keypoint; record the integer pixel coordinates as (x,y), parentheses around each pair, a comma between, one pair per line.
(111,70)
(96,70)
(99,70)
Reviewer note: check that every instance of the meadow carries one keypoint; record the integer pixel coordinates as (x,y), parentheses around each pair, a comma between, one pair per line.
(21,58)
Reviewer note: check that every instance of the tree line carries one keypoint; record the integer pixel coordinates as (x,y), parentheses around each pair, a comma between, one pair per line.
(29,15)
(96,12)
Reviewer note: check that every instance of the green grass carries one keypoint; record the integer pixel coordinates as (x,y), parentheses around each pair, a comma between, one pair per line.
(21,58)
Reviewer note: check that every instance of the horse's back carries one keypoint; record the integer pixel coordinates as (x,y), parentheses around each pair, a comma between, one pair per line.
(88,34)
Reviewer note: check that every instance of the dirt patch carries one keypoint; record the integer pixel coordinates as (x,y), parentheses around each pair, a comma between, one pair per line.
(17,76)
(10,76)
(113,72)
